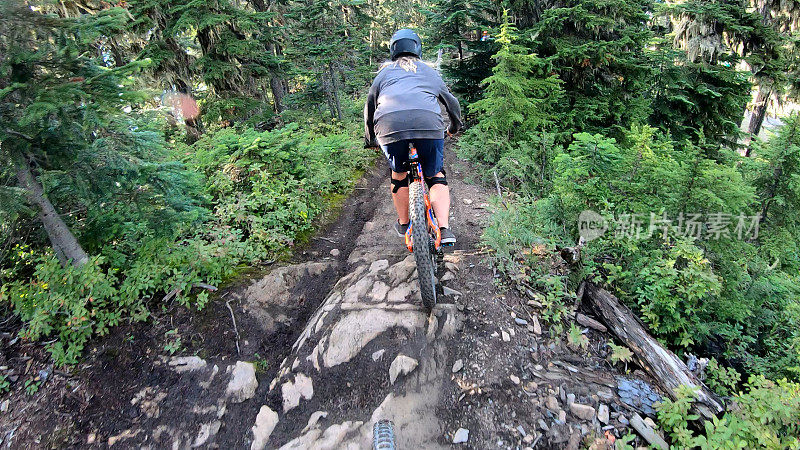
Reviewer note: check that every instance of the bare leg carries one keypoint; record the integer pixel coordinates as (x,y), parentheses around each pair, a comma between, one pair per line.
(400,198)
(440,201)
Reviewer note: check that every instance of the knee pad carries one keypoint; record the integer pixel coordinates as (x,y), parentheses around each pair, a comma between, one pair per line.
(430,181)
(397,184)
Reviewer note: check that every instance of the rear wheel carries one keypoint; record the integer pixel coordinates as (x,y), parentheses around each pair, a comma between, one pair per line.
(383,435)
(423,254)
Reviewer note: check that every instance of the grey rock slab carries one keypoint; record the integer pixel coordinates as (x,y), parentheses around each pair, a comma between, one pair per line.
(401,365)
(461,436)
(648,433)
(519,321)
(266,420)
(243,383)
(292,392)
(183,364)
(602,413)
(584,412)
(451,292)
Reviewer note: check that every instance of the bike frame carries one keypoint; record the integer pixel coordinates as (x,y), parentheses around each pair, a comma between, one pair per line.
(415,169)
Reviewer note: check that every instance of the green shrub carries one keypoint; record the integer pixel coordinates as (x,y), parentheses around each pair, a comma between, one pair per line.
(767,416)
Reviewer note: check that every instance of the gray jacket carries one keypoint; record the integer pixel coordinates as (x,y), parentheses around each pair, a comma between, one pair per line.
(405,105)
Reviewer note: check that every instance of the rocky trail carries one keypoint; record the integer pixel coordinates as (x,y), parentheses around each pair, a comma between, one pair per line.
(311,353)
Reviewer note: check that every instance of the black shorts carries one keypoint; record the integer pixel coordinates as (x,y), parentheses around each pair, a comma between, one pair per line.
(430,151)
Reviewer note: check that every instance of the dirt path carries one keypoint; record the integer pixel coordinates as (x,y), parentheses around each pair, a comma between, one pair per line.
(333,341)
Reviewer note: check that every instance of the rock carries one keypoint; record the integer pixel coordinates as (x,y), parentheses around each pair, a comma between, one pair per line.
(401,365)
(451,292)
(461,436)
(537,328)
(505,335)
(519,321)
(551,403)
(447,276)
(589,322)
(562,416)
(292,392)
(580,411)
(243,383)
(458,365)
(4,405)
(623,420)
(602,413)
(605,394)
(312,421)
(570,399)
(648,433)
(262,430)
(335,252)
(650,423)
(467,201)
(182,364)
(543,425)
(521,430)
(207,430)
(514,379)
(378,355)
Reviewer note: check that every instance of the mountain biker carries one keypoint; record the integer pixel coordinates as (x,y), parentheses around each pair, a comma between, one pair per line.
(403,107)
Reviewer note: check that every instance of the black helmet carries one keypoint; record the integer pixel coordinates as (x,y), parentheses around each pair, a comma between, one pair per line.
(403,42)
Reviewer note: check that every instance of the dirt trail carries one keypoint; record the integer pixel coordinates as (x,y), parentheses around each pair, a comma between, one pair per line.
(333,341)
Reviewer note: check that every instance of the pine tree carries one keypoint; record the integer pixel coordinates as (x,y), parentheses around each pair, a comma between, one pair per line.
(518,104)
(598,51)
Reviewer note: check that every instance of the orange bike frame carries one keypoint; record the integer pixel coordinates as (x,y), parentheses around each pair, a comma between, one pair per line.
(433,224)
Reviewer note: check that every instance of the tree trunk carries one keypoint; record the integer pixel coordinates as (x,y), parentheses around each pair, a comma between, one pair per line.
(662,364)
(330,88)
(65,245)
(759,111)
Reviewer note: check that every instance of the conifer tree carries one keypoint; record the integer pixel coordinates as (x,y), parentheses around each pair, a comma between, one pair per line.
(518,104)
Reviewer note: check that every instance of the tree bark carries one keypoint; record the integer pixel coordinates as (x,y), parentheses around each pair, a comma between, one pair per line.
(65,245)
(662,364)
(759,111)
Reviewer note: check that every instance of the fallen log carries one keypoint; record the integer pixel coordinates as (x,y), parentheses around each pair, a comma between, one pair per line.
(667,369)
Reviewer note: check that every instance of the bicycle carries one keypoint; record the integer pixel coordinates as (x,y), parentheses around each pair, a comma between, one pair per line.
(423,228)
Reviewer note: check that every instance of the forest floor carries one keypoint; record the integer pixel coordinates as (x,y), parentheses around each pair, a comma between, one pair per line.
(326,344)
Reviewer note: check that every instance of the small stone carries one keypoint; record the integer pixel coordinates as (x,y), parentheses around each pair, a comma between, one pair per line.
(519,321)
(292,392)
(506,337)
(537,328)
(451,292)
(514,379)
(602,413)
(512,332)
(528,439)
(650,423)
(447,277)
(262,430)
(562,416)
(570,399)
(580,411)
(467,201)
(458,365)
(207,430)
(521,430)
(335,252)
(4,405)
(243,383)
(530,328)
(551,403)
(378,355)
(461,436)
(623,420)
(543,425)
(401,365)
(182,364)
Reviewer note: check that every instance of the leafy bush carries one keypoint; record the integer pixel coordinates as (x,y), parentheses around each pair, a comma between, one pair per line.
(765,416)
(255,194)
